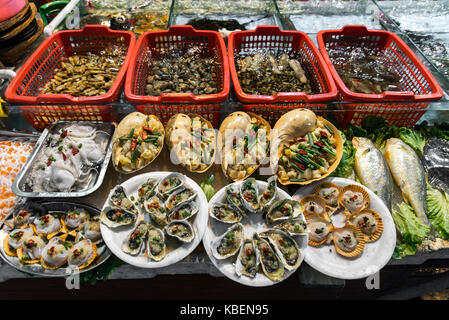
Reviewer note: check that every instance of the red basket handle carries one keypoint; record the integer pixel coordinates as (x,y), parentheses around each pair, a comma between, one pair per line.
(181,28)
(177,97)
(405,95)
(268,28)
(354,28)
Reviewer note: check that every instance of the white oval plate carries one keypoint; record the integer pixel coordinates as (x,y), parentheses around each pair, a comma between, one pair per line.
(375,254)
(114,237)
(252,223)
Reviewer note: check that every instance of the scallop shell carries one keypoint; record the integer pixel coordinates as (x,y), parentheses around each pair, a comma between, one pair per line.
(161,255)
(277,274)
(142,227)
(299,225)
(164,191)
(380,226)
(250,185)
(217,208)
(358,235)
(160,214)
(184,211)
(183,238)
(147,189)
(319,202)
(273,190)
(275,216)
(109,212)
(327,184)
(239,237)
(354,188)
(172,201)
(240,269)
(118,198)
(91,258)
(137,121)
(314,223)
(271,236)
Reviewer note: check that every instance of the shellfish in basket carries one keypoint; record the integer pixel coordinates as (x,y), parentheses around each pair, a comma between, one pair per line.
(137,141)
(245,141)
(306,148)
(192,141)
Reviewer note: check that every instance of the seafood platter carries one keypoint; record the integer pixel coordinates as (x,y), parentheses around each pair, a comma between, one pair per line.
(46,237)
(256,234)
(154,219)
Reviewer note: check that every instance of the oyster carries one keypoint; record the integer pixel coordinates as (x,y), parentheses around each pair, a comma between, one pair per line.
(184,211)
(179,197)
(119,199)
(170,183)
(55,254)
(272,265)
(436,162)
(229,243)
(156,244)
(248,260)
(82,254)
(181,230)
(249,193)
(134,243)
(116,217)
(269,195)
(147,189)
(235,200)
(285,209)
(156,210)
(286,248)
(294,227)
(224,213)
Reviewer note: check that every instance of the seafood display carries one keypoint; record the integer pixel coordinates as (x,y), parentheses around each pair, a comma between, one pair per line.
(68,160)
(266,74)
(245,141)
(86,75)
(137,141)
(191,70)
(191,140)
(222,26)
(435,162)
(306,148)
(365,69)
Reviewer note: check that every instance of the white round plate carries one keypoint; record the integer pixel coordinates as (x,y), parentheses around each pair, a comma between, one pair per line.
(375,254)
(252,223)
(114,237)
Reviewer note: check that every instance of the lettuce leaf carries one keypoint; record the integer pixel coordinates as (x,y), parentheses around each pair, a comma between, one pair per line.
(413,138)
(207,187)
(438,211)
(346,164)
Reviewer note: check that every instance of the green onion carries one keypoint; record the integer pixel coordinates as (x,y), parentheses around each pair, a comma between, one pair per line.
(131,134)
(297,168)
(134,156)
(297,180)
(329,129)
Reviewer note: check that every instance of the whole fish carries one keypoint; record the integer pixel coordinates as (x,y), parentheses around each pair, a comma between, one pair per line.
(409,175)
(372,169)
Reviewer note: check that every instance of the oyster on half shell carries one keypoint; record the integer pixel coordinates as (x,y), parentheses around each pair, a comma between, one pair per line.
(134,243)
(229,243)
(248,260)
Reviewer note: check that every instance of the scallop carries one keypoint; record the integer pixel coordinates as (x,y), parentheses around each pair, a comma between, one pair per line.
(156,244)
(82,254)
(285,209)
(248,260)
(294,227)
(179,197)
(25,214)
(115,217)
(147,189)
(47,225)
(170,183)
(250,195)
(181,230)
(31,250)
(318,231)
(90,231)
(229,243)
(349,241)
(75,218)
(16,237)
(269,195)
(119,199)
(315,205)
(184,211)
(354,198)
(157,211)
(286,248)
(224,213)
(55,254)
(134,243)
(272,265)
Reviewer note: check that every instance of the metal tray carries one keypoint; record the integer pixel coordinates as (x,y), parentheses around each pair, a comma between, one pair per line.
(97,178)
(37,269)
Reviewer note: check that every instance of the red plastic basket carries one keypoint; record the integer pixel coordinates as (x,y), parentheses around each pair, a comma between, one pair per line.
(417,82)
(150,44)
(39,68)
(294,43)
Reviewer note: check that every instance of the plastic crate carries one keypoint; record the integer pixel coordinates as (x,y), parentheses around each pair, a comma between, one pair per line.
(294,43)
(39,68)
(150,44)
(417,82)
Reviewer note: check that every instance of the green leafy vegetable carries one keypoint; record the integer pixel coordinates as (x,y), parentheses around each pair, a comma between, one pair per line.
(438,211)
(372,123)
(101,272)
(413,138)
(207,187)
(346,165)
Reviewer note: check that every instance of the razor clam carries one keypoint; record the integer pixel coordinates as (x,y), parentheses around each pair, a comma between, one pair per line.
(235,201)
(272,265)
(115,217)
(156,244)
(157,211)
(283,210)
(286,248)
(119,199)
(229,243)
(436,162)
(134,243)
(170,183)
(179,197)
(147,189)
(247,262)
(250,195)
(294,227)
(181,230)
(267,198)
(224,213)
(184,211)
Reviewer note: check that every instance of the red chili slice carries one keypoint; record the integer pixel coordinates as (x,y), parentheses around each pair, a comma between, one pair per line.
(64,157)
(319,144)
(75,151)
(63,134)
(302,151)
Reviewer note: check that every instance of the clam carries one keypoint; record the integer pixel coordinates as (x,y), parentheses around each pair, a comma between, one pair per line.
(156,244)
(157,211)
(224,213)
(134,243)
(179,197)
(147,189)
(285,209)
(118,198)
(229,243)
(269,195)
(286,248)
(250,195)
(170,183)
(272,265)
(184,211)
(294,227)
(248,260)
(114,217)
(181,230)
(235,200)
